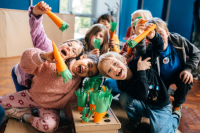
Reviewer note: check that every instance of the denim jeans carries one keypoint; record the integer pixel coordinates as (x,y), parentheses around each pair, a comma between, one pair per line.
(17,85)
(161,118)
(112,84)
(2,114)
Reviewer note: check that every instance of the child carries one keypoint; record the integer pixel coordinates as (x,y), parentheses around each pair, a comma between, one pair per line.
(145,14)
(105,19)
(143,92)
(48,93)
(40,40)
(98,31)
(171,64)
(196,33)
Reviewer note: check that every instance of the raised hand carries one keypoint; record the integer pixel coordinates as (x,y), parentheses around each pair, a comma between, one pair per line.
(48,56)
(42,9)
(143,65)
(186,77)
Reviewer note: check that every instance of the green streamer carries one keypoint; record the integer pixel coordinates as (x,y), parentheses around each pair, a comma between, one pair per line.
(87,111)
(113,26)
(64,26)
(81,97)
(66,75)
(97,43)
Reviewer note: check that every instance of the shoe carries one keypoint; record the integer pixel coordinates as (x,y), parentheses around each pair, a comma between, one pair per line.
(130,127)
(177,111)
(195,77)
(171,92)
(17,113)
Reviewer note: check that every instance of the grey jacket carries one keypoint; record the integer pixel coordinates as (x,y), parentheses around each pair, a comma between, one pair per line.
(183,48)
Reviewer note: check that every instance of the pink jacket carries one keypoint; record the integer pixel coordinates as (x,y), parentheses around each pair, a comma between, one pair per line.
(47,90)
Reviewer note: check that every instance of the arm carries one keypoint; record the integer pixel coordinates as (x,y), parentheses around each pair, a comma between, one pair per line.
(196,14)
(31,60)
(194,55)
(39,38)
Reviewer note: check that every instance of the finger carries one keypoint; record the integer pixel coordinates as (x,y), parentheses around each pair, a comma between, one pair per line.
(140,59)
(190,79)
(180,76)
(184,77)
(148,58)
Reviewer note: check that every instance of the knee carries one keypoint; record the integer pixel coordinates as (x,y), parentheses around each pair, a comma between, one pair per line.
(51,125)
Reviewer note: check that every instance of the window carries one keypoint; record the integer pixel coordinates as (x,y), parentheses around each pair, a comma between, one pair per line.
(82,9)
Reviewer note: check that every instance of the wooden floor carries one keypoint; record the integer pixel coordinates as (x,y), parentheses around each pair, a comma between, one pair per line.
(190,122)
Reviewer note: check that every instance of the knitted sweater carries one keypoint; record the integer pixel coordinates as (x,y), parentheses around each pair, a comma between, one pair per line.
(39,39)
(46,89)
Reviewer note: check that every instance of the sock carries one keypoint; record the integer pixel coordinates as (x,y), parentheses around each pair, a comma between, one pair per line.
(26,117)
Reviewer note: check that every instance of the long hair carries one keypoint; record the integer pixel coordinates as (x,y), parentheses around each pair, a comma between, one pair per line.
(94,30)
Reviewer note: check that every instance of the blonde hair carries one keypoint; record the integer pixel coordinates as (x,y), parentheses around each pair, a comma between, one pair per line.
(80,43)
(146,14)
(107,56)
(159,23)
(94,30)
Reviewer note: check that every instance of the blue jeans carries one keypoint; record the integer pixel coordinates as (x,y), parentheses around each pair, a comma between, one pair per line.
(161,118)
(112,84)
(2,114)
(17,85)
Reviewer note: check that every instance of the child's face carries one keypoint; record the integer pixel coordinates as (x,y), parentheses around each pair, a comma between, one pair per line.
(115,68)
(70,49)
(106,23)
(85,67)
(164,34)
(99,35)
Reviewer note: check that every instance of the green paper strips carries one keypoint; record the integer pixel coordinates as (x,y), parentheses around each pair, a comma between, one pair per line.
(64,26)
(92,96)
(131,43)
(113,26)
(87,113)
(97,43)
(103,102)
(66,75)
(81,97)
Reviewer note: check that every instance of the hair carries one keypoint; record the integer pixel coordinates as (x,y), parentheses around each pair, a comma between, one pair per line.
(93,57)
(159,23)
(80,43)
(94,30)
(146,14)
(107,56)
(107,17)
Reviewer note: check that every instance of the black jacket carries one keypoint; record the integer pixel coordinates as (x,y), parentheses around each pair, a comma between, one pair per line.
(144,85)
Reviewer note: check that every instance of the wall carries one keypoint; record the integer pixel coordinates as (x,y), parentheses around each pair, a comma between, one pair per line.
(24,4)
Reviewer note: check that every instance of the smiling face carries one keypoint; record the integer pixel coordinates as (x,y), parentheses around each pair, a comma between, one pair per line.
(114,68)
(70,49)
(106,23)
(85,67)
(164,34)
(98,35)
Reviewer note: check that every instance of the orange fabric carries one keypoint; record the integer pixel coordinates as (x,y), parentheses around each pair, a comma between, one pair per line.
(99,116)
(60,65)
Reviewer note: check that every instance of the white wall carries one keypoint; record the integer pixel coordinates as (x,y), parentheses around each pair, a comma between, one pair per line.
(102,8)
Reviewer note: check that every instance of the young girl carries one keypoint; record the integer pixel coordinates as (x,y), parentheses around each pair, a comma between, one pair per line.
(105,19)
(145,14)
(143,91)
(48,93)
(40,40)
(98,31)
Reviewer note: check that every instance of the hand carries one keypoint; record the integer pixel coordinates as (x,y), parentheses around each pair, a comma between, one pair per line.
(111,43)
(143,65)
(42,9)
(126,55)
(95,52)
(186,77)
(139,27)
(48,56)
(151,33)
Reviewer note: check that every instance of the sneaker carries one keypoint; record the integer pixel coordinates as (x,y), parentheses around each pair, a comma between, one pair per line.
(17,113)
(177,111)
(171,92)
(131,127)
(195,77)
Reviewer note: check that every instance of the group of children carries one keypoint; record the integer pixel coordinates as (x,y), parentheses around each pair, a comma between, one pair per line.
(142,77)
